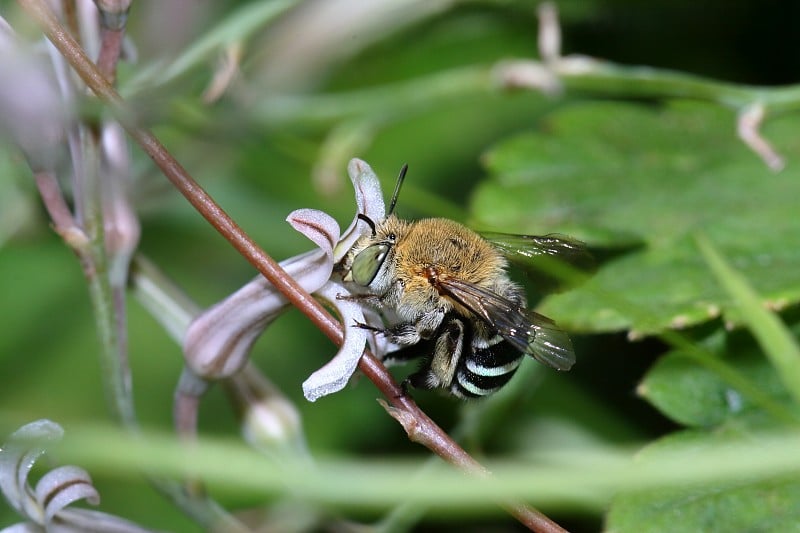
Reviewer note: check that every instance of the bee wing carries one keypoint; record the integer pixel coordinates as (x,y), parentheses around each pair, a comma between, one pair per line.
(528,331)
(531,246)
(543,255)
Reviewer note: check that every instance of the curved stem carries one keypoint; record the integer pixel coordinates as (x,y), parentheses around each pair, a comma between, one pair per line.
(95,264)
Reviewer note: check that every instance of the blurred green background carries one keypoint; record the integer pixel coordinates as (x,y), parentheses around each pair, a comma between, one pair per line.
(517,161)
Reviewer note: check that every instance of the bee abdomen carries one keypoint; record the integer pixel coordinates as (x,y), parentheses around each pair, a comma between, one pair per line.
(486,370)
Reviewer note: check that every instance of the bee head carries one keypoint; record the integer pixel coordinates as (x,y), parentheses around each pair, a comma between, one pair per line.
(374,257)
(369,261)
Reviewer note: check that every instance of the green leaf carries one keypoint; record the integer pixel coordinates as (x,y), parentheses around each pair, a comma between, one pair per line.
(742,505)
(775,339)
(694,395)
(682,388)
(615,173)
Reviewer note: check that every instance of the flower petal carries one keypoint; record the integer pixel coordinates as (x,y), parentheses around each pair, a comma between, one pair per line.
(337,372)
(17,457)
(217,342)
(55,490)
(369,199)
(318,226)
(63,486)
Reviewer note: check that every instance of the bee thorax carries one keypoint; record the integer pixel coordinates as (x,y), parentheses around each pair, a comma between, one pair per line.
(431,273)
(434,275)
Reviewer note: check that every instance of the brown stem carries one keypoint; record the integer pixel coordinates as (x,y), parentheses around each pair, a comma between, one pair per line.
(71,16)
(57,207)
(424,430)
(111,45)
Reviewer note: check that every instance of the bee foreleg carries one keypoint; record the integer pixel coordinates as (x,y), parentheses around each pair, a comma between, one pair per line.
(362,325)
(405,333)
(371,300)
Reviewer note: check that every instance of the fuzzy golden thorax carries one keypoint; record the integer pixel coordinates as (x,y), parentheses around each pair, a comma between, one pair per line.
(420,254)
(437,249)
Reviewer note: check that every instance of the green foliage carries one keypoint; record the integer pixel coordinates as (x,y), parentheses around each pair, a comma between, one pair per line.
(615,174)
(696,397)
(740,505)
(697,244)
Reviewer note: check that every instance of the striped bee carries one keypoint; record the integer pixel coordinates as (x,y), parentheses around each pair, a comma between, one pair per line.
(447,298)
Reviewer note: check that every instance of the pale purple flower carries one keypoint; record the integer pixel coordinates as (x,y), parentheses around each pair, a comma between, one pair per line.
(33,114)
(217,343)
(45,506)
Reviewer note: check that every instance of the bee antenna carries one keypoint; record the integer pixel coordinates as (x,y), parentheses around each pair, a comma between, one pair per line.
(396,193)
(368,220)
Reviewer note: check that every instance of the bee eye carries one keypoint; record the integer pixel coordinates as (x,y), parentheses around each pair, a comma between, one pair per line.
(368,262)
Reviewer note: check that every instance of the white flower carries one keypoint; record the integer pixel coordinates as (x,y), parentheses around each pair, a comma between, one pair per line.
(45,506)
(217,343)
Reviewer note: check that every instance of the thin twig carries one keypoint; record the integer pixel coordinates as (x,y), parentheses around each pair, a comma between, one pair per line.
(427,433)
(747,127)
(57,208)
(113,19)
(111,45)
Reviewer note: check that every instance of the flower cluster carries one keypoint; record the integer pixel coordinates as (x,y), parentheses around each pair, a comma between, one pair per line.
(218,342)
(46,505)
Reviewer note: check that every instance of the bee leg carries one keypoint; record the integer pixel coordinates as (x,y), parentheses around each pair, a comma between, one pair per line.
(419,380)
(362,325)
(404,386)
(416,380)
(405,334)
(370,300)
(408,353)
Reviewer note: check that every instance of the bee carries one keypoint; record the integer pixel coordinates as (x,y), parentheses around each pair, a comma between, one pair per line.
(446,296)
